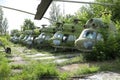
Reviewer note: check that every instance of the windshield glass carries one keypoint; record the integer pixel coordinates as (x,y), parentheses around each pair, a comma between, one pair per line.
(71,38)
(89,34)
(58,35)
(42,35)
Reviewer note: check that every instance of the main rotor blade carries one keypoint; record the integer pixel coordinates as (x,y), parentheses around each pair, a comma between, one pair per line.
(42,7)
(105,4)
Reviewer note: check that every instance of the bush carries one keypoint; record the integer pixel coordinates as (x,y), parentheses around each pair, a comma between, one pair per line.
(4,68)
(37,71)
(107,50)
(4,40)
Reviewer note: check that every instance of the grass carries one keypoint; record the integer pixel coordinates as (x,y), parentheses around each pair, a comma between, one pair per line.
(86,70)
(17,66)
(38,69)
(35,71)
(78,59)
(4,67)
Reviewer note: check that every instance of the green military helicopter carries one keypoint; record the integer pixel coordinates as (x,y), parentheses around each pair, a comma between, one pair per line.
(66,35)
(45,34)
(94,31)
(41,9)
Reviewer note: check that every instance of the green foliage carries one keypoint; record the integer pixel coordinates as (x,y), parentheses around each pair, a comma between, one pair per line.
(4,40)
(15,32)
(55,13)
(87,70)
(28,25)
(4,68)
(17,66)
(118,26)
(105,50)
(64,76)
(37,71)
(84,13)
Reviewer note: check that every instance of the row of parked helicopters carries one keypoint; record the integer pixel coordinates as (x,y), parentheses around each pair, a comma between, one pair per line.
(69,36)
(63,35)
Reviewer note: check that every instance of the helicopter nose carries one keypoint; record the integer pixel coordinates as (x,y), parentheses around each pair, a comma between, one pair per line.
(84,44)
(56,42)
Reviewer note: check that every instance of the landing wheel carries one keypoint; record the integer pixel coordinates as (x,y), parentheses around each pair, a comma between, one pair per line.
(8,50)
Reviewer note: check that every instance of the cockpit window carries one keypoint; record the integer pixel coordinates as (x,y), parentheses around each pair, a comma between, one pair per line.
(89,34)
(71,38)
(58,35)
(41,35)
(65,37)
(47,37)
(99,37)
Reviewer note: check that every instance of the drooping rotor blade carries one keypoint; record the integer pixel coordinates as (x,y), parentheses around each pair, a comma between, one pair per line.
(17,10)
(82,2)
(23,11)
(42,7)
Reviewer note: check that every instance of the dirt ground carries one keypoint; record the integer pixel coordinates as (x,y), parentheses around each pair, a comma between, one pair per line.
(18,59)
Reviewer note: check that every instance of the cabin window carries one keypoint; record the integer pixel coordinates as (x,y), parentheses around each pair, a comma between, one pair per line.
(25,37)
(65,37)
(99,37)
(58,35)
(89,34)
(41,35)
(47,37)
(71,38)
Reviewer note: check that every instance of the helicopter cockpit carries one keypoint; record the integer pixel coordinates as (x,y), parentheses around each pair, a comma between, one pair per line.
(90,35)
(61,39)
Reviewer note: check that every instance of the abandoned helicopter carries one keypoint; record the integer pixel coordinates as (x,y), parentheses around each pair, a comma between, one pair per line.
(66,35)
(45,34)
(93,32)
(42,7)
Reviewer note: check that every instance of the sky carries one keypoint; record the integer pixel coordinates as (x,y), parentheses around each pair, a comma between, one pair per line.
(16,19)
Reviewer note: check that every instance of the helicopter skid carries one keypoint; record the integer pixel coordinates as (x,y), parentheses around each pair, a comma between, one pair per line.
(63,47)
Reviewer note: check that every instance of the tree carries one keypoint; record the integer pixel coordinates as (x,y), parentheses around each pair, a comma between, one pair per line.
(14,31)
(115,9)
(1,19)
(28,25)
(55,13)
(5,25)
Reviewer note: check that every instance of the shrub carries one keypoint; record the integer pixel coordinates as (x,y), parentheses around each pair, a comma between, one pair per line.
(4,40)
(4,68)
(87,70)
(107,50)
(38,71)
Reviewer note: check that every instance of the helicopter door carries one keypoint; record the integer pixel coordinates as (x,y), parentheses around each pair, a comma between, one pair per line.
(65,37)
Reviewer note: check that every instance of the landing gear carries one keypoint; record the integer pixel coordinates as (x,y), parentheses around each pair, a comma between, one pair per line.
(8,50)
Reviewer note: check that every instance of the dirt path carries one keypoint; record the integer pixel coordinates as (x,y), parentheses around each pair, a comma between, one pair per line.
(18,59)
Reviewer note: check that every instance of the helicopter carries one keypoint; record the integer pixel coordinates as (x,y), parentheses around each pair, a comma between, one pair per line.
(93,33)
(43,6)
(61,38)
(66,35)
(45,34)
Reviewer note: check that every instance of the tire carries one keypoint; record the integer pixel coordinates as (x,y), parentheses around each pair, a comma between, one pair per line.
(8,50)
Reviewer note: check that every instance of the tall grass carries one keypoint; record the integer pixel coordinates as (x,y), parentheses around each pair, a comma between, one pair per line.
(4,68)
(37,71)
